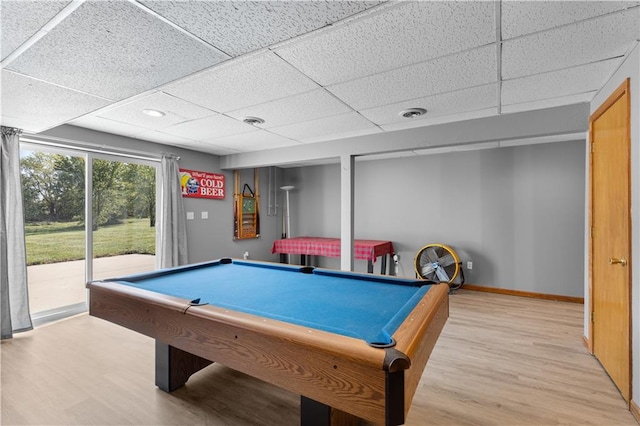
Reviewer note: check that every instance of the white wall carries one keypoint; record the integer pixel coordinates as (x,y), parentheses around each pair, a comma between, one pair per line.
(629,69)
(517,213)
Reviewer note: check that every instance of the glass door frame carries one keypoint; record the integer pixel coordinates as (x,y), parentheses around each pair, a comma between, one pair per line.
(56,313)
(89,203)
(89,155)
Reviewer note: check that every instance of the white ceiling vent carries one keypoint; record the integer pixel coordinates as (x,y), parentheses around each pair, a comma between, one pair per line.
(413,112)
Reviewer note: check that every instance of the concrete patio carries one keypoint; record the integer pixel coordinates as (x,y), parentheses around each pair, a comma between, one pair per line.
(60,284)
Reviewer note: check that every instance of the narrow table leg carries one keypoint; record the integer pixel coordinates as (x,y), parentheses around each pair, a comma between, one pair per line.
(313,413)
(370,266)
(174,366)
(383,264)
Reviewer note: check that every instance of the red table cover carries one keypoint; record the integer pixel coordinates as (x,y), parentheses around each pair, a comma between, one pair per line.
(330,247)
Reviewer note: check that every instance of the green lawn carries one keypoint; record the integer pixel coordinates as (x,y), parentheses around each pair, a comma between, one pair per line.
(64,241)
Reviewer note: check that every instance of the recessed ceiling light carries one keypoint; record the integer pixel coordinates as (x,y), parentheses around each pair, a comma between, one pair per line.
(253,120)
(154,112)
(413,112)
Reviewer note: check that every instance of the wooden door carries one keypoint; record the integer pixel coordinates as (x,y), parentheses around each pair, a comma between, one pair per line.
(610,238)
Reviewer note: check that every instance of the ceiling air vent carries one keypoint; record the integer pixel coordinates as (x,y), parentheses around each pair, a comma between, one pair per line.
(253,120)
(413,112)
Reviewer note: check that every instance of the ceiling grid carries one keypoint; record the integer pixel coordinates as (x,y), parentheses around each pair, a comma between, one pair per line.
(315,71)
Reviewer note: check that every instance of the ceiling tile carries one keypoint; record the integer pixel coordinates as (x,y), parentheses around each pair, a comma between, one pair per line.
(115,50)
(176,111)
(91,121)
(550,102)
(241,83)
(374,57)
(254,141)
(20,19)
(245,26)
(118,128)
(580,136)
(303,107)
(163,138)
(209,128)
(113,127)
(177,142)
(428,121)
(338,126)
(475,98)
(43,105)
(555,84)
(408,32)
(588,41)
(212,149)
(472,68)
(525,17)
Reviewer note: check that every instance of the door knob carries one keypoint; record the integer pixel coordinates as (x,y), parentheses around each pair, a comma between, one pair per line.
(614,261)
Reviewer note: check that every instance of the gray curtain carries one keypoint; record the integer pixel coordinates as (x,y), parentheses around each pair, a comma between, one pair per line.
(14,297)
(173,221)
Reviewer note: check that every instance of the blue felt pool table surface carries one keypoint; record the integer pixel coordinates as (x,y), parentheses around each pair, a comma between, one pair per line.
(367,307)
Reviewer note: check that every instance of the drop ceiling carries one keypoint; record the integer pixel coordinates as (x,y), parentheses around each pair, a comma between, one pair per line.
(314,71)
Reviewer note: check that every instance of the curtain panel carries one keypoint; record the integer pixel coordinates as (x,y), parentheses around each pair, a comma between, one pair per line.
(173,223)
(14,298)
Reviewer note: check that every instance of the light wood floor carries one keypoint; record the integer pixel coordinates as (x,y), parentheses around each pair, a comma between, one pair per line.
(501,360)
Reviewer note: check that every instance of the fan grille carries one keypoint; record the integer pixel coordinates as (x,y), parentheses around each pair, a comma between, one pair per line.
(437,263)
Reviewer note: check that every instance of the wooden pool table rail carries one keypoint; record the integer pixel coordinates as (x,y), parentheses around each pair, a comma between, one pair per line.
(337,371)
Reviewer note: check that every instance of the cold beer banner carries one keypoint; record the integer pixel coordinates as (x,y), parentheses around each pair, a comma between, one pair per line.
(201,184)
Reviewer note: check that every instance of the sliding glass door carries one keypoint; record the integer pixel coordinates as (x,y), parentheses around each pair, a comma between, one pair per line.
(79,206)
(53,185)
(123,217)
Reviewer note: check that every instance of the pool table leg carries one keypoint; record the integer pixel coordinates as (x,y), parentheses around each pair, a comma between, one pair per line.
(174,366)
(313,413)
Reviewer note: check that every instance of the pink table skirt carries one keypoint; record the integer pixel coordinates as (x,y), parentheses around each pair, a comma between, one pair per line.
(330,247)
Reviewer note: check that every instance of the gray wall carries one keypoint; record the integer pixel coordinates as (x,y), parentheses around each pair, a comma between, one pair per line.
(517,213)
(213,238)
(210,238)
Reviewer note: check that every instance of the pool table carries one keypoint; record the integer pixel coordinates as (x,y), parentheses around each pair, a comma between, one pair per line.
(354,346)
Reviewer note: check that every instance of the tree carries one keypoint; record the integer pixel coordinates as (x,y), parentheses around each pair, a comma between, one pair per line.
(108,202)
(146,189)
(140,183)
(70,176)
(52,186)
(33,211)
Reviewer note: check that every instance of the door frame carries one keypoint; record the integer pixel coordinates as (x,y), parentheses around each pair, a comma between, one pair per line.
(620,91)
(88,153)
(105,156)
